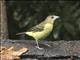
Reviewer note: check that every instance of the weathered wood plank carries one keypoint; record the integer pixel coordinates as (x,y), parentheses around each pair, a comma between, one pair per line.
(3,21)
(58,49)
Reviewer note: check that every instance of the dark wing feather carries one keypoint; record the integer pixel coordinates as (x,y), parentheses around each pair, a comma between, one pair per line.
(37,28)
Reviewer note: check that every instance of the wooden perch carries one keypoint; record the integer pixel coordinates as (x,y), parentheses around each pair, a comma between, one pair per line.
(58,50)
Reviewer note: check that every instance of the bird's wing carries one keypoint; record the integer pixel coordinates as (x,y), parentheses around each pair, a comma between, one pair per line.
(37,28)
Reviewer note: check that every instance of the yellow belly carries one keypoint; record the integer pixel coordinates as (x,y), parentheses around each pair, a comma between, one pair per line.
(42,34)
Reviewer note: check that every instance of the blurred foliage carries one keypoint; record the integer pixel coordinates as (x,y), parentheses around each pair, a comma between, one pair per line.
(22,15)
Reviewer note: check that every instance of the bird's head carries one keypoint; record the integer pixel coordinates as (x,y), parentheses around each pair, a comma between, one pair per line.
(51,18)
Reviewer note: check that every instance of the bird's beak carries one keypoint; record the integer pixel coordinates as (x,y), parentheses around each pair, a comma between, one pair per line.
(56,17)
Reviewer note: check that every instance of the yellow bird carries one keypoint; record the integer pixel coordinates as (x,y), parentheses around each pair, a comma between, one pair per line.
(42,30)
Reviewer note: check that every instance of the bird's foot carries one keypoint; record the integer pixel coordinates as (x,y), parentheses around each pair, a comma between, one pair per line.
(39,48)
(48,45)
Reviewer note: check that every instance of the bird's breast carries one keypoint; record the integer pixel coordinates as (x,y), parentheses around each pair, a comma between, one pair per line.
(48,27)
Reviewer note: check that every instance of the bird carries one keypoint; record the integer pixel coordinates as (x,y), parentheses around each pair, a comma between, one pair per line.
(41,30)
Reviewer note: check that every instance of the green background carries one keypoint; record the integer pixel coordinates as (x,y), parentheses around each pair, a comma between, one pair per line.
(23,15)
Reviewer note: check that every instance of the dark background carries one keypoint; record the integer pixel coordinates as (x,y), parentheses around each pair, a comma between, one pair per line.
(22,15)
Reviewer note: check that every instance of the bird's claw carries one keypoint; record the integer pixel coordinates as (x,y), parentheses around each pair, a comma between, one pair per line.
(48,45)
(39,48)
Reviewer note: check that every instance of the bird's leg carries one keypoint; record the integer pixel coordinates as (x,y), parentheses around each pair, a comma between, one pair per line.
(38,45)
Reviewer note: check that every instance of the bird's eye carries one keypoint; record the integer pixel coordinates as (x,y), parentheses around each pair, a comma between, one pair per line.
(52,17)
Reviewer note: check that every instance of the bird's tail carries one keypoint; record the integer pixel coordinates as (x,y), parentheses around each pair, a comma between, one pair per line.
(20,33)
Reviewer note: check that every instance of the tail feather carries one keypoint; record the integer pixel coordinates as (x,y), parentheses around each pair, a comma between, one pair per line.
(20,33)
